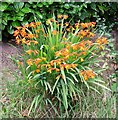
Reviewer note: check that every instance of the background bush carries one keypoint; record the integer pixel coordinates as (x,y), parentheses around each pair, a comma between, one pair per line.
(19,13)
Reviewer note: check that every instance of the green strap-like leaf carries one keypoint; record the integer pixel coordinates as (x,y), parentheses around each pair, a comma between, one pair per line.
(96,83)
(64,77)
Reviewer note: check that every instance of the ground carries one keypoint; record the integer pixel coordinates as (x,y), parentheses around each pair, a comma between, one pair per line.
(7,67)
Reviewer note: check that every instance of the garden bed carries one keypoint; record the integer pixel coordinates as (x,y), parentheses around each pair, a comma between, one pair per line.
(8,68)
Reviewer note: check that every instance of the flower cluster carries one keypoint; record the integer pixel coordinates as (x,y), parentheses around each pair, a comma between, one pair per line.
(59,61)
(85,25)
(60,47)
(35,61)
(62,16)
(87,74)
(35,52)
(102,41)
(25,36)
(83,45)
(86,33)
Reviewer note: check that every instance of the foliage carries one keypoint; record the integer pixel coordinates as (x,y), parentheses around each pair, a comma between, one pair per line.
(59,62)
(20,13)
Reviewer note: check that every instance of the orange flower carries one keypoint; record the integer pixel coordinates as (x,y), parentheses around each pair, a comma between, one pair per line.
(93,24)
(30,35)
(99,41)
(37,31)
(68,46)
(68,29)
(59,16)
(45,35)
(29,62)
(81,46)
(66,24)
(28,42)
(19,28)
(89,42)
(37,70)
(77,25)
(73,65)
(63,52)
(54,32)
(87,74)
(35,42)
(66,57)
(65,16)
(37,61)
(19,63)
(75,47)
(18,40)
(46,65)
(83,53)
(23,33)
(35,35)
(29,52)
(102,40)
(52,69)
(23,41)
(32,24)
(90,74)
(16,32)
(90,34)
(67,66)
(58,62)
(38,23)
(36,52)
(83,33)
(62,66)
(84,25)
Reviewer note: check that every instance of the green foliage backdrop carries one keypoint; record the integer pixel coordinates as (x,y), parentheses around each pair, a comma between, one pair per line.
(19,13)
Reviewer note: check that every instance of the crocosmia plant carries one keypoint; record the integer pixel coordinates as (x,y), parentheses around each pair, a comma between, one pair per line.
(59,61)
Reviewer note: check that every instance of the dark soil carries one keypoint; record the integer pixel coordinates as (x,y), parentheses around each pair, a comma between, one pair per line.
(7,67)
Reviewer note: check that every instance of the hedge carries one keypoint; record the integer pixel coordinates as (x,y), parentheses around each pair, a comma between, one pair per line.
(20,13)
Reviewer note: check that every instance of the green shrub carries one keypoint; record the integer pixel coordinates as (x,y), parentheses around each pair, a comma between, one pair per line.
(19,13)
(59,63)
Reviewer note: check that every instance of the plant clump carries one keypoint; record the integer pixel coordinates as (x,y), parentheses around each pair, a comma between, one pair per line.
(59,61)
